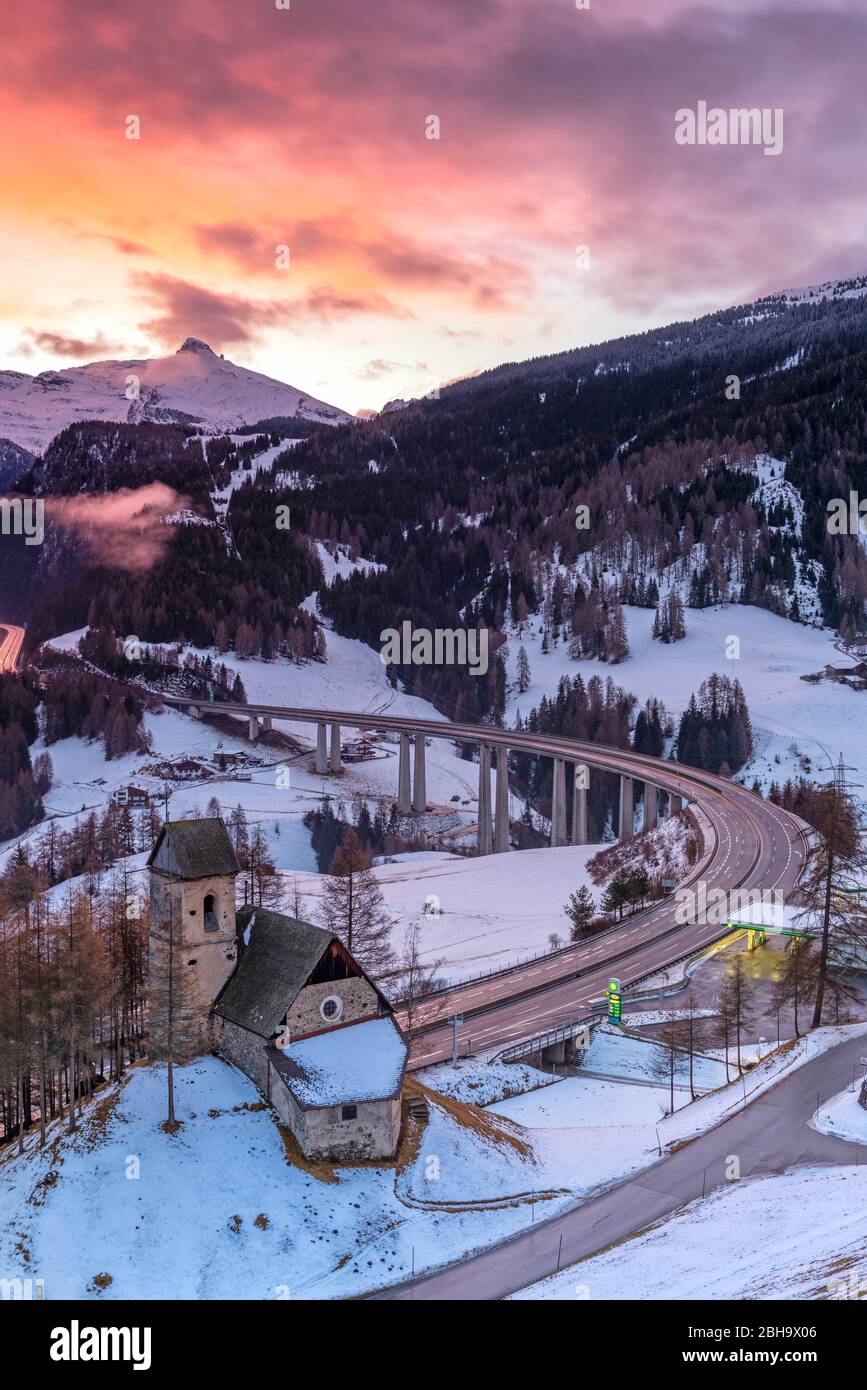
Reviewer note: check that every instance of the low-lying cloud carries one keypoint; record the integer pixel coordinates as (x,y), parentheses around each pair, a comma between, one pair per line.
(123,530)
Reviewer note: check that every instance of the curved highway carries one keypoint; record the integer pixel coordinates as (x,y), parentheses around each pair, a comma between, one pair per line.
(10,646)
(749,844)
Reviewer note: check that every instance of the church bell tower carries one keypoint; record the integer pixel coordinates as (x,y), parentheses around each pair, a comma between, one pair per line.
(192,945)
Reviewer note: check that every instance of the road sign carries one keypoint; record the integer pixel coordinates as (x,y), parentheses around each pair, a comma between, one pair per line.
(615,1001)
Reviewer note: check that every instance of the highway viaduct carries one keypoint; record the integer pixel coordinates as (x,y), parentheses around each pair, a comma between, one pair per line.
(747,843)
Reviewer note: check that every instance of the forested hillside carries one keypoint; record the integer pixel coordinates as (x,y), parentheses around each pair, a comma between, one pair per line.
(675,469)
(474,502)
(189,582)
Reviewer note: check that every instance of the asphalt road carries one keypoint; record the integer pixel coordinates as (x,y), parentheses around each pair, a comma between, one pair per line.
(10,646)
(768,1135)
(751,844)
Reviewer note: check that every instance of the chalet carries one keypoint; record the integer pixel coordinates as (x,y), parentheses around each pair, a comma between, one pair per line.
(132,796)
(224,758)
(359,750)
(185,769)
(283,1000)
(853,676)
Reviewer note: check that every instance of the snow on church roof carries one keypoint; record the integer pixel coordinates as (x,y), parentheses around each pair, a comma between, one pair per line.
(363,1061)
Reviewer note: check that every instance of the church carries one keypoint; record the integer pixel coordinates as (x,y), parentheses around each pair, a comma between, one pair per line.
(281,999)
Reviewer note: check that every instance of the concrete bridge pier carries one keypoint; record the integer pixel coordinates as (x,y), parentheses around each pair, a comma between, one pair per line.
(266,722)
(501,813)
(484,833)
(321,750)
(579,813)
(558,803)
(625,829)
(651,807)
(404,797)
(675,804)
(335,748)
(253,728)
(419,790)
(194,712)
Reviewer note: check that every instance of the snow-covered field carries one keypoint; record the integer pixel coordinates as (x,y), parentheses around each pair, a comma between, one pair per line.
(793,721)
(842,1116)
(84,781)
(484,1085)
(618,1054)
(223,1209)
(494,911)
(750,1241)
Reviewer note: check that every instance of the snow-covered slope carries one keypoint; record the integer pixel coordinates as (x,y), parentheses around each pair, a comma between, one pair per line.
(192,385)
(797,726)
(748,1241)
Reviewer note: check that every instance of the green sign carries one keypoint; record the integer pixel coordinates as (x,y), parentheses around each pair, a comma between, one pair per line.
(615,1001)
(764,928)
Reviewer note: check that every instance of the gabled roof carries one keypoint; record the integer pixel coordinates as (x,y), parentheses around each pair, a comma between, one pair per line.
(279,955)
(198,848)
(360,1062)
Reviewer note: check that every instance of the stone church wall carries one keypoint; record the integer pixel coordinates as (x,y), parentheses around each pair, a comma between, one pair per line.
(202,961)
(245,1049)
(359,1000)
(322,1134)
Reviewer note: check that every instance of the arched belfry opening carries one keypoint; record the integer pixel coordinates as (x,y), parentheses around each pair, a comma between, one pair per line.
(209,911)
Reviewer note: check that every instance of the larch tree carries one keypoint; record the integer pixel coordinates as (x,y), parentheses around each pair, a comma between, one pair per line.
(736,1003)
(835,867)
(418,978)
(796,984)
(353,907)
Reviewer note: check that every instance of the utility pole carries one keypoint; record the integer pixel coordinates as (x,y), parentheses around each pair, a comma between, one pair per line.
(456,1021)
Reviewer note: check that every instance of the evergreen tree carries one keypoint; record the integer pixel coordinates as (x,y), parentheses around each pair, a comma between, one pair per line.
(580,909)
(352,905)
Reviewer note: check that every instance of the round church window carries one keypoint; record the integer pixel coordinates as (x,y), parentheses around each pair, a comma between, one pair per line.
(331,1008)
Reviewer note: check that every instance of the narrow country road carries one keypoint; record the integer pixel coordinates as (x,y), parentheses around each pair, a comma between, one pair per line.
(769,1135)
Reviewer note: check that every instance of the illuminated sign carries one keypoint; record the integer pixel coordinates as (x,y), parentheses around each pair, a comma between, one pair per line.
(615,1002)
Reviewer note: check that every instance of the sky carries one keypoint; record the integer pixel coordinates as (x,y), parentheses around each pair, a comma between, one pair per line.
(284,200)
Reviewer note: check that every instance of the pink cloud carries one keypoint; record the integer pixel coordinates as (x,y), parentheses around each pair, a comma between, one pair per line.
(557,130)
(123,530)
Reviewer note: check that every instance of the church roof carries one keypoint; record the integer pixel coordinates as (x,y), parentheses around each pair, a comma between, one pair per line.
(279,955)
(359,1062)
(200,848)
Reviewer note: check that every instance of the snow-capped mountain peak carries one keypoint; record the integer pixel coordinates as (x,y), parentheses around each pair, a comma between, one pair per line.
(193,385)
(195,345)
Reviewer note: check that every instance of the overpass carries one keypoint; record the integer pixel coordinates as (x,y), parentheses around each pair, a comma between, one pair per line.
(747,843)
